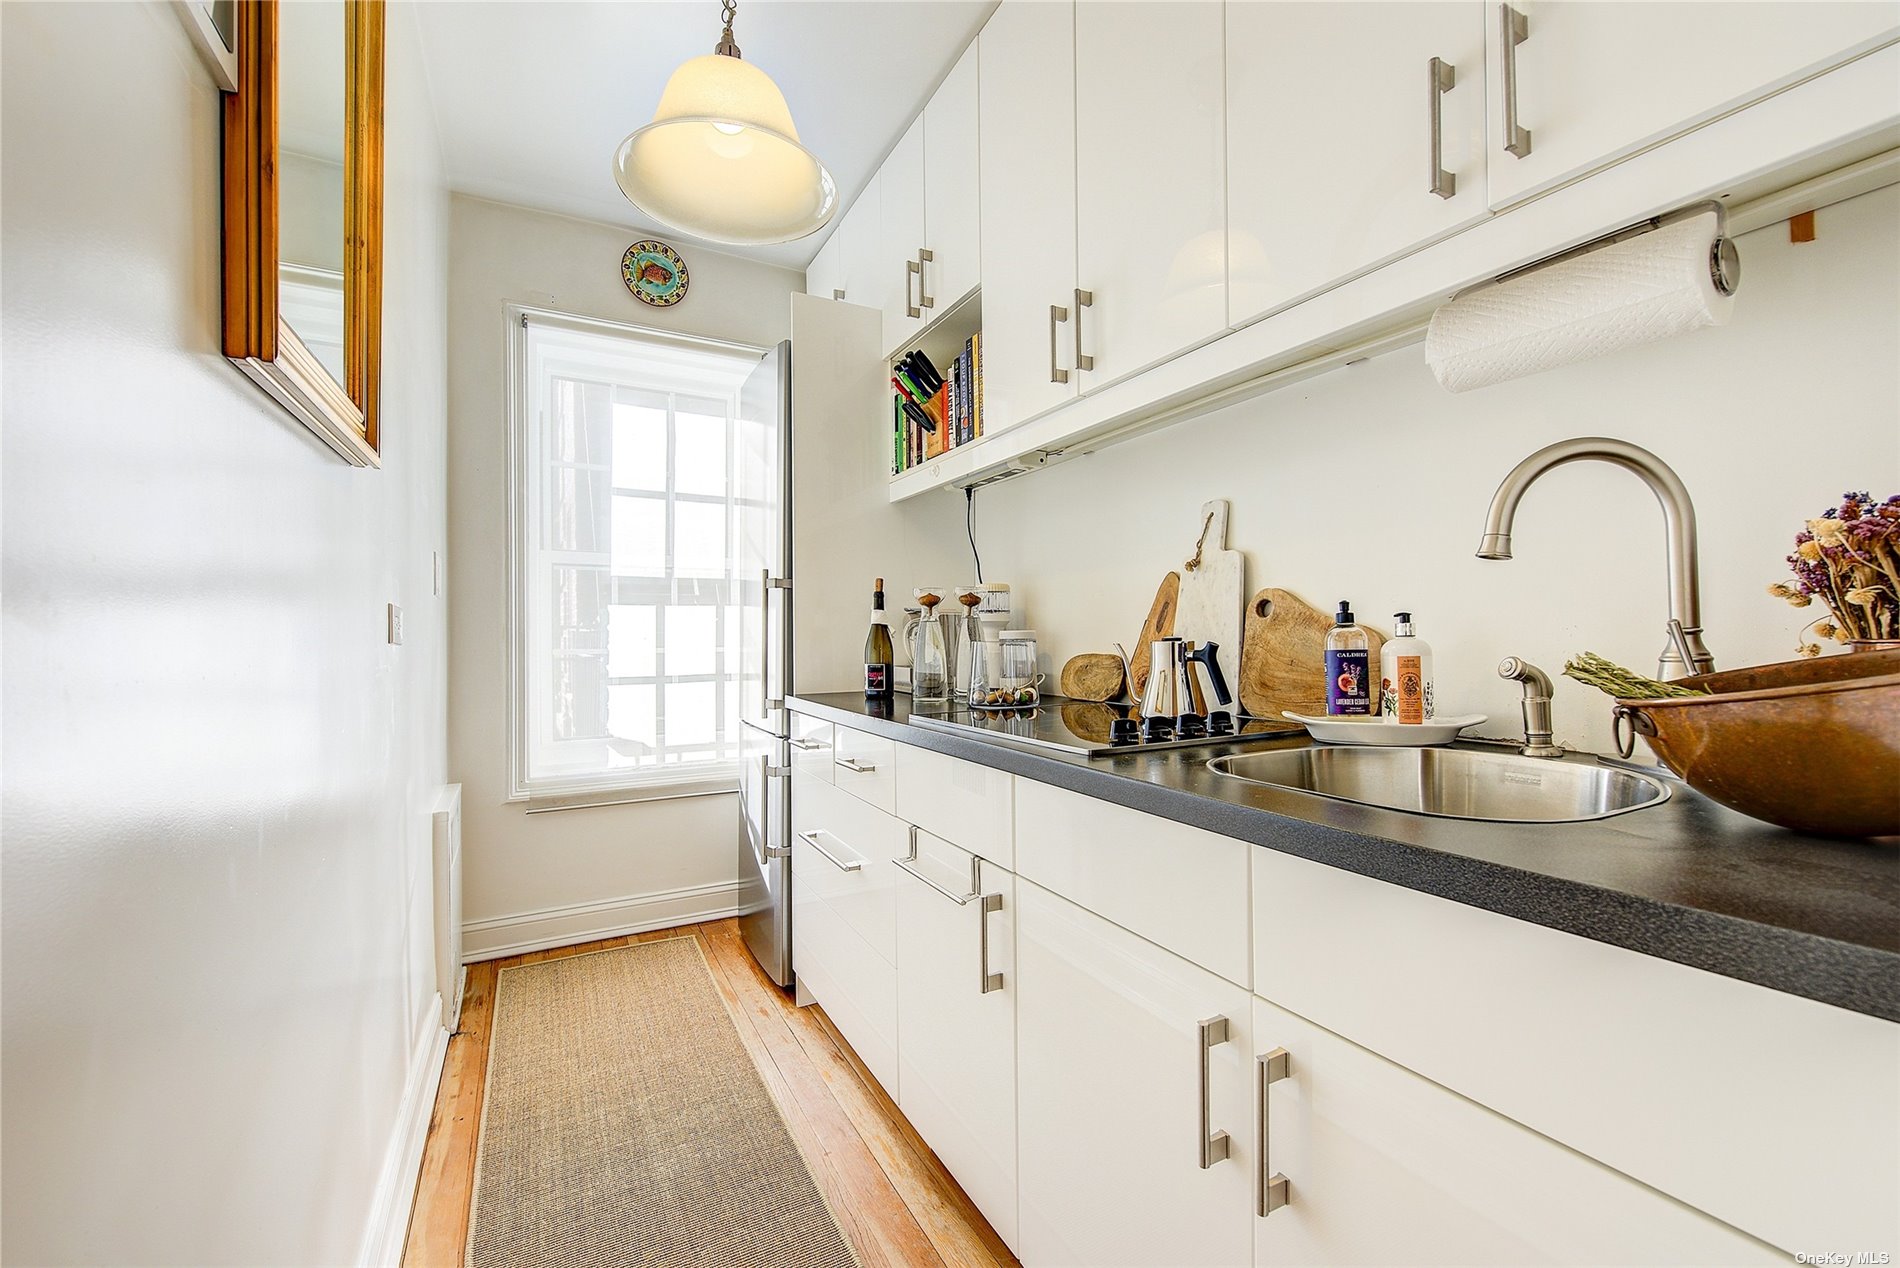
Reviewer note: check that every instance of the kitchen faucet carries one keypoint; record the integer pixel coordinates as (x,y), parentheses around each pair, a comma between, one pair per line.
(1684,654)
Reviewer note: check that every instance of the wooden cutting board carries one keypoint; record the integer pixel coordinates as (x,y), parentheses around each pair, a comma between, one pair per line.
(1092,676)
(1160,624)
(1214,592)
(1283,655)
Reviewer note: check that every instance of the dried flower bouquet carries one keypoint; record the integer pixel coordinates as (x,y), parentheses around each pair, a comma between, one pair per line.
(1849,559)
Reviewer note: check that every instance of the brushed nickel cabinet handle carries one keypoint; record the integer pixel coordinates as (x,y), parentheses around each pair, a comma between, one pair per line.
(990,981)
(1270,1068)
(1213,1031)
(853,765)
(1057,313)
(806,745)
(909,864)
(843,865)
(1444,79)
(1513,29)
(924,298)
(1083,299)
(913,268)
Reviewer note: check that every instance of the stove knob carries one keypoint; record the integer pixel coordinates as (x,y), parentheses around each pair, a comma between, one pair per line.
(1220,722)
(1124,731)
(1157,730)
(1191,726)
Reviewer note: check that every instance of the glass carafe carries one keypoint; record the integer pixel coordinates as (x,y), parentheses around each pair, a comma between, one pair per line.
(930,665)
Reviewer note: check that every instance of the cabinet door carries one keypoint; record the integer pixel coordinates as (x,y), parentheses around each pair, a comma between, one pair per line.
(862,251)
(951,214)
(956,1019)
(1150,207)
(1332,160)
(824,276)
(1384,1167)
(1597,82)
(1111,1098)
(900,184)
(1026,119)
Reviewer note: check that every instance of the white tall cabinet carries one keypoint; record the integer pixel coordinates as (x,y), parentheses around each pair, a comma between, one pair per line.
(1368,143)
(863,237)
(1116,1094)
(1026,121)
(1592,83)
(1149,159)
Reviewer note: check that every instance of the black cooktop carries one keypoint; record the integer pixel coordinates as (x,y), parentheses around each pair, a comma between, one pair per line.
(1083,728)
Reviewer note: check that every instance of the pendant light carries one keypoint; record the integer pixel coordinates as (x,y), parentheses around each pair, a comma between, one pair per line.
(721,159)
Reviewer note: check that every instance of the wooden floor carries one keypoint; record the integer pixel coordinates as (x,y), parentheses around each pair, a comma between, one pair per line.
(894,1200)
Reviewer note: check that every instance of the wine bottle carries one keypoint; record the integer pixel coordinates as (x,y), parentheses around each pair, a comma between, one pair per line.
(879,660)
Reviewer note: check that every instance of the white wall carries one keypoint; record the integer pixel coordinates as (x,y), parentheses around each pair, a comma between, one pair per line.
(1371,483)
(217,774)
(572,874)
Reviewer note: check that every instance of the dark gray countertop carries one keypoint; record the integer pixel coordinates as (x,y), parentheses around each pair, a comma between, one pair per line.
(1689,881)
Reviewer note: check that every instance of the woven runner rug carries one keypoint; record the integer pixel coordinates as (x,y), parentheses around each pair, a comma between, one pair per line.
(625,1124)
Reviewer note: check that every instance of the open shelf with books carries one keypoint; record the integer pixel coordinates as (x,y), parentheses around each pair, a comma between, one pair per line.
(937,388)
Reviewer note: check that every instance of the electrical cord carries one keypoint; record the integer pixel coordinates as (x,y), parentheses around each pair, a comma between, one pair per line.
(969,526)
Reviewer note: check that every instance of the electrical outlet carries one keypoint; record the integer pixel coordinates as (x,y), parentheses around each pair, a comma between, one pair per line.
(395,626)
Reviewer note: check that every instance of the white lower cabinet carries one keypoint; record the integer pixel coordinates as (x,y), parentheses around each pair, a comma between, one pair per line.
(1384,1167)
(956,1019)
(844,916)
(1118,1096)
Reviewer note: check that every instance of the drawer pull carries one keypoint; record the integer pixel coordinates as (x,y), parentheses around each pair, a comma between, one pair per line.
(843,865)
(909,864)
(991,981)
(1513,28)
(1444,79)
(1271,1068)
(1214,1144)
(853,765)
(806,745)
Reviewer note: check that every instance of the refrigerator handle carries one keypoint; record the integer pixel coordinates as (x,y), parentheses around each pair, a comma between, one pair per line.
(767,584)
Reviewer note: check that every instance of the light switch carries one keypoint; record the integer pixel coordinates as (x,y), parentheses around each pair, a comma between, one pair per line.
(395,626)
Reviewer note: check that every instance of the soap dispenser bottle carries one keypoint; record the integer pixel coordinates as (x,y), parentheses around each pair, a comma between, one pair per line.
(1348,667)
(1405,674)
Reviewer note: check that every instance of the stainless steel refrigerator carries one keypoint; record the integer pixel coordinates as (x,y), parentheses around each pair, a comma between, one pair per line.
(762,468)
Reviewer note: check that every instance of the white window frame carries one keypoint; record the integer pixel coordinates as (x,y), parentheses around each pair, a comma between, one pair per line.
(608,787)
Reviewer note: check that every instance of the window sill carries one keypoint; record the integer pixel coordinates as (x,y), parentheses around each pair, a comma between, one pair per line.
(708,785)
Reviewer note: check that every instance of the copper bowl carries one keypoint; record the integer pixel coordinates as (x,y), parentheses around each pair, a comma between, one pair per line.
(1812,745)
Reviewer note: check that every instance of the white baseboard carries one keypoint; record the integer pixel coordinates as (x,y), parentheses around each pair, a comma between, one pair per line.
(609,918)
(388,1226)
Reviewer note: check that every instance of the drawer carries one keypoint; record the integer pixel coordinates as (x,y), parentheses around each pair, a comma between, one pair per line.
(857,988)
(842,852)
(1178,887)
(1776,1114)
(865,766)
(963,803)
(811,747)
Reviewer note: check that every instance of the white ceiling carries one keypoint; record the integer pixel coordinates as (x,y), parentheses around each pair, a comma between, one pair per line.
(534,96)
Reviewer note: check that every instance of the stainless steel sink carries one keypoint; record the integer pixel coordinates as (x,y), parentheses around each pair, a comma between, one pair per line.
(1453,783)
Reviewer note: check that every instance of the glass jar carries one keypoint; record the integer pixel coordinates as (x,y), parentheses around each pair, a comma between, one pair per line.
(1017,684)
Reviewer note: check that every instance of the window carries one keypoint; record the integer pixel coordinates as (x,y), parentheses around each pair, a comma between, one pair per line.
(623,627)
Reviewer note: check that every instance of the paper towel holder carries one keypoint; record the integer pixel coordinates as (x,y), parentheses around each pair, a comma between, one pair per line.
(1725,262)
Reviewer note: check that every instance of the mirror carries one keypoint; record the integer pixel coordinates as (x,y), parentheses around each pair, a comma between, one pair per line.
(303,213)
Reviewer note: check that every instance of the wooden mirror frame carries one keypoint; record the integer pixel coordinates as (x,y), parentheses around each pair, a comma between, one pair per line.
(256,337)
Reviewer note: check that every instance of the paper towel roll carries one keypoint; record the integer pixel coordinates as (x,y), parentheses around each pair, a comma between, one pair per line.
(1639,290)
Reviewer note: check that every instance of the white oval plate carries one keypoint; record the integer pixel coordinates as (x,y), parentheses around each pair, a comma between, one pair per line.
(1388,733)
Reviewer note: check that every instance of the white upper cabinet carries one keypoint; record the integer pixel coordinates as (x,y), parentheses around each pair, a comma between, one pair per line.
(824,276)
(1149,210)
(862,235)
(951,214)
(1592,83)
(899,285)
(1355,133)
(1026,186)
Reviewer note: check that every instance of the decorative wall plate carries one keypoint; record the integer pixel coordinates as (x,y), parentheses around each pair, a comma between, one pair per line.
(654,273)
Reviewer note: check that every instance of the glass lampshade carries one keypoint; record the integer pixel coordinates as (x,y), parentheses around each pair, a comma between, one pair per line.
(722,161)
